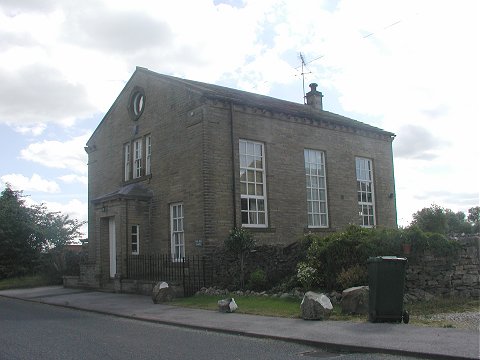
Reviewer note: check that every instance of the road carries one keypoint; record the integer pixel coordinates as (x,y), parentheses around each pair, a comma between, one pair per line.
(38,331)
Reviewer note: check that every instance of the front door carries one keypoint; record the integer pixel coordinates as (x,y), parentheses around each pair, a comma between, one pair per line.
(112,246)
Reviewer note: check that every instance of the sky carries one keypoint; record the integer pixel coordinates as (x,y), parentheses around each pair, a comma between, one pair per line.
(410,67)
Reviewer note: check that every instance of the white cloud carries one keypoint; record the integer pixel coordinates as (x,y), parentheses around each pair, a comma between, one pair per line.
(61,155)
(35,130)
(416,142)
(34,183)
(73,178)
(39,94)
(75,208)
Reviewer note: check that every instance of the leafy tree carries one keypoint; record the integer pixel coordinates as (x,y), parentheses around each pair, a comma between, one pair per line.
(240,242)
(474,218)
(27,234)
(432,219)
(437,219)
(19,244)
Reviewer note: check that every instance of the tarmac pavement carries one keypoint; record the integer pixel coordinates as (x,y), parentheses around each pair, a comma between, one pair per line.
(401,339)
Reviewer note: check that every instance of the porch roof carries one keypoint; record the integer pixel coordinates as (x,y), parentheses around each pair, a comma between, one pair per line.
(131,191)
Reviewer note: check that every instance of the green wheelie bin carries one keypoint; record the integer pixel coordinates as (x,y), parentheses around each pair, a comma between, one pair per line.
(386,280)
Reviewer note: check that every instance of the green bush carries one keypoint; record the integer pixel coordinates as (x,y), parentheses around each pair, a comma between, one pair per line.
(258,280)
(356,275)
(306,275)
(342,251)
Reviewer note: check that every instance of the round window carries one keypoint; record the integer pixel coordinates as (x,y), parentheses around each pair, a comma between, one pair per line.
(137,103)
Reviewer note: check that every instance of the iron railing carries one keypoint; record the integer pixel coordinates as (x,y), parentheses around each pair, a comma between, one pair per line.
(192,272)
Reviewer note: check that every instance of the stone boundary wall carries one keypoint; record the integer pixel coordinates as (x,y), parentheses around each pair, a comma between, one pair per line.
(278,262)
(457,274)
(427,275)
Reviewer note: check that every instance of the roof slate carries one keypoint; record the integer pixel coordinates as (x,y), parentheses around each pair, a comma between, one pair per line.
(241,97)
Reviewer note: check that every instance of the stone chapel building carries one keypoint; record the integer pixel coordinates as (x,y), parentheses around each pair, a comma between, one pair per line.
(176,164)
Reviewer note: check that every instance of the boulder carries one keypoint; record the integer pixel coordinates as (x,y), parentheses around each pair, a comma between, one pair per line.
(355,300)
(315,306)
(227,305)
(162,293)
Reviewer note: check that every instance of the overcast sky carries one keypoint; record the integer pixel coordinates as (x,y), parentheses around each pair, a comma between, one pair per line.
(409,67)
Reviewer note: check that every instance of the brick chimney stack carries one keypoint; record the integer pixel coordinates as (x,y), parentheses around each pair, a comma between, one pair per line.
(314,97)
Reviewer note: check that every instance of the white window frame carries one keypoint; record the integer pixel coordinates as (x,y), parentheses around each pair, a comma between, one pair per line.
(137,158)
(253,184)
(148,156)
(316,186)
(127,157)
(135,239)
(365,192)
(177,233)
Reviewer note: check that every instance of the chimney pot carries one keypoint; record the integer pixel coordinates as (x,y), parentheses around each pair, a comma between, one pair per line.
(314,97)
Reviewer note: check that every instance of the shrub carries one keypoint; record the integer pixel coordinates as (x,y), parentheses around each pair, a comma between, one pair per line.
(306,275)
(356,275)
(258,280)
(341,251)
(240,242)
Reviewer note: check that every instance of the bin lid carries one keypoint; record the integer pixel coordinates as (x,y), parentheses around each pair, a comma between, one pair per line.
(385,258)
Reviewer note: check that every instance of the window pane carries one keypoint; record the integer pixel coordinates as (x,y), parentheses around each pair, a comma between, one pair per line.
(323,219)
(259,190)
(251,161)
(322,195)
(244,204)
(243,175)
(252,218)
(261,218)
(244,217)
(252,203)
(243,147)
(251,189)
(251,175)
(309,194)
(250,148)
(243,161)
(261,205)
(243,188)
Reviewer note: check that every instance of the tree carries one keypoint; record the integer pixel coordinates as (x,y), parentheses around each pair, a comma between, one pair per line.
(474,218)
(240,242)
(437,219)
(432,219)
(19,244)
(28,233)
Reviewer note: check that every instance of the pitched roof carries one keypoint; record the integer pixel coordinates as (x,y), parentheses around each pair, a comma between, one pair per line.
(266,102)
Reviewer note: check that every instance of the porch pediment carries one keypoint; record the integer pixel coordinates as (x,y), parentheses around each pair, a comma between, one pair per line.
(130,191)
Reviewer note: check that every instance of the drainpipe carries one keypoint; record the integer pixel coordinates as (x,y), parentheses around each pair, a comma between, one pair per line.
(126,237)
(234,190)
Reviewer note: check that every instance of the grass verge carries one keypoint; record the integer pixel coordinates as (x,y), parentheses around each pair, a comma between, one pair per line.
(26,282)
(420,312)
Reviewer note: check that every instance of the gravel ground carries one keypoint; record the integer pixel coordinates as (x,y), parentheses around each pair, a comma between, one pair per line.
(466,320)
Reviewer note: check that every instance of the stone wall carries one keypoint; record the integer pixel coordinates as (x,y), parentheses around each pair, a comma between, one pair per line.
(427,275)
(455,274)
(278,262)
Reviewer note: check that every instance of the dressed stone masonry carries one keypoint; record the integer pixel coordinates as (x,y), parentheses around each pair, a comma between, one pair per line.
(457,274)
(175,164)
